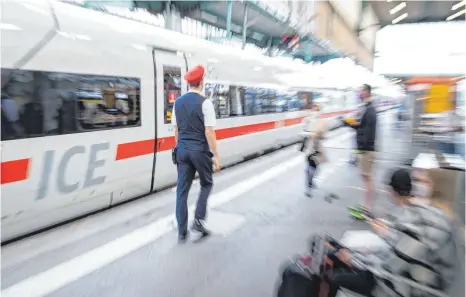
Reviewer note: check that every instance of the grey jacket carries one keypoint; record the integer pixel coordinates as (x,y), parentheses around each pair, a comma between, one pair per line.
(422,248)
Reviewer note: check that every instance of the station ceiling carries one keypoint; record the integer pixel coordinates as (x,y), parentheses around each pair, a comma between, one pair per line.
(265,25)
(409,12)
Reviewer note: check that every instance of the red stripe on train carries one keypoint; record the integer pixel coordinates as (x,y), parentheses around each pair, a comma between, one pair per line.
(13,171)
(134,149)
(145,147)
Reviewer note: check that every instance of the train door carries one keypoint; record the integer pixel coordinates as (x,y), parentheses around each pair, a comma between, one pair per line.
(170,68)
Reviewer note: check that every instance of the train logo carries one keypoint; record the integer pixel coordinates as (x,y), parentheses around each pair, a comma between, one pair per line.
(89,179)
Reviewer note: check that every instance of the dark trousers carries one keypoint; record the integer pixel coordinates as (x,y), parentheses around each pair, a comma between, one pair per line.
(343,276)
(311,172)
(188,163)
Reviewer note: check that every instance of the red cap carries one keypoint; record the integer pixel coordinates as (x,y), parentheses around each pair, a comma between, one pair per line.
(195,75)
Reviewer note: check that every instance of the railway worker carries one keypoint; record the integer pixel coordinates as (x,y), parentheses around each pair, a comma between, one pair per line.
(194,120)
(365,137)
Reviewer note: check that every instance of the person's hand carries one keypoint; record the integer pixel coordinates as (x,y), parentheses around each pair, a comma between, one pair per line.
(379,227)
(216,163)
(344,255)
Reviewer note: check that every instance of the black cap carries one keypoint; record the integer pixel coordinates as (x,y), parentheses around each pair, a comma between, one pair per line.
(401,182)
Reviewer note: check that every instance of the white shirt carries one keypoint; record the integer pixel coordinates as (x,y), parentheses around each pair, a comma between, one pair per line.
(207,109)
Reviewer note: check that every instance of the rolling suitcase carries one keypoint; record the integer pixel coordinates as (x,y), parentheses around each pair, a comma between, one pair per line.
(302,275)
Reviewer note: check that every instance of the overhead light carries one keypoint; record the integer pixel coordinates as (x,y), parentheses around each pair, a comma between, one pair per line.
(82,37)
(257,68)
(5,26)
(458,5)
(389,0)
(454,16)
(73,36)
(139,47)
(64,34)
(398,8)
(400,18)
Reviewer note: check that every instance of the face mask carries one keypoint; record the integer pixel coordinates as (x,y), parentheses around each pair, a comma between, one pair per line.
(422,190)
(362,96)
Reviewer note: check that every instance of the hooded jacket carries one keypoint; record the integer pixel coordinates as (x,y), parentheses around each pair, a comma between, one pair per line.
(366,130)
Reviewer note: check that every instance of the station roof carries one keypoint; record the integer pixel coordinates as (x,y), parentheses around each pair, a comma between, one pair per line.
(265,23)
(416,11)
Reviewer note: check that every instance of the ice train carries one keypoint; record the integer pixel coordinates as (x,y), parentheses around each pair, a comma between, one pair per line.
(86,108)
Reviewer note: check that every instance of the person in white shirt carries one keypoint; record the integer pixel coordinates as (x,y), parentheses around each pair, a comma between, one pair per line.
(194,119)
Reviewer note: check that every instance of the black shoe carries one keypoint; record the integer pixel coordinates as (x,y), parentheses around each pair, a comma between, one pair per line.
(182,237)
(199,226)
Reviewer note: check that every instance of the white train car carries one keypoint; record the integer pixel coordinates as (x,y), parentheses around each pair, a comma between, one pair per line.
(86,102)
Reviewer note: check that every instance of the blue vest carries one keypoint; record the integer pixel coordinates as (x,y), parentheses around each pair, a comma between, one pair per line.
(190,122)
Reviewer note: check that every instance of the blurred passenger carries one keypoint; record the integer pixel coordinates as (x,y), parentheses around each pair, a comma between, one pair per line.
(400,114)
(365,138)
(314,132)
(10,118)
(422,247)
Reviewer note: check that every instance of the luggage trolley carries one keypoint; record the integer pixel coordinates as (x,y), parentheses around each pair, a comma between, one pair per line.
(380,273)
(314,266)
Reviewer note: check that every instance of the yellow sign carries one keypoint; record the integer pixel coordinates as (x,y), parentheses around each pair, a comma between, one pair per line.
(438,99)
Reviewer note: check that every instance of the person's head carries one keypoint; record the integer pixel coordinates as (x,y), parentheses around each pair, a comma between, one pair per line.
(401,186)
(195,78)
(365,93)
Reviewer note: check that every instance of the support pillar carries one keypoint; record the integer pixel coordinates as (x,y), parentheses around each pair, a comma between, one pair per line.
(373,52)
(245,25)
(172,17)
(269,47)
(228,25)
(308,53)
(363,7)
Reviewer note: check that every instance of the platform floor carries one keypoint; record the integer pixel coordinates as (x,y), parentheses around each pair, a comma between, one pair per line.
(259,215)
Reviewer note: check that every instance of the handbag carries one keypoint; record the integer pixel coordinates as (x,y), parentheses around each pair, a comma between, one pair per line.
(174,155)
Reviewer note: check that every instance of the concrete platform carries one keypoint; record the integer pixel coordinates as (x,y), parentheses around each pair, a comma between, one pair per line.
(259,215)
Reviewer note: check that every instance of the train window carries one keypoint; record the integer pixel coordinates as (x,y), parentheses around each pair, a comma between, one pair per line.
(237,101)
(252,103)
(268,99)
(171,89)
(40,103)
(220,96)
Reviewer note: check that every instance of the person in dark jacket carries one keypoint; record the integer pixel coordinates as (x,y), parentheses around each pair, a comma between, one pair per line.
(365,138)
(194,120)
